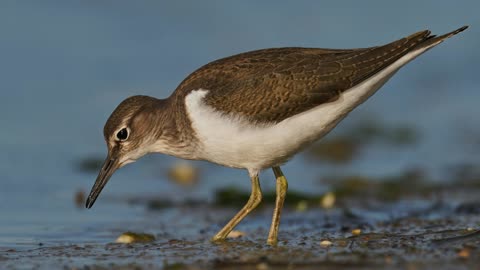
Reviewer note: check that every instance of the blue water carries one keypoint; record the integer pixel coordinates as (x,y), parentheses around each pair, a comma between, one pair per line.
(65,66)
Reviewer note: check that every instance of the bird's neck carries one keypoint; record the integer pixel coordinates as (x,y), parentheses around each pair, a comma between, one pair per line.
(175,136)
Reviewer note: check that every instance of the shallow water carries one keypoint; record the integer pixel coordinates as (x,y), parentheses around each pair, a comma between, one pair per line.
(410,232)
(65,67)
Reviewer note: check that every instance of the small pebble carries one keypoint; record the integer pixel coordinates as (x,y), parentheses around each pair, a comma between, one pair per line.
(356,231)
(325,243)
(328,200)
(236,234)
(131,237)
(262,266)
(183,173)
(464,253)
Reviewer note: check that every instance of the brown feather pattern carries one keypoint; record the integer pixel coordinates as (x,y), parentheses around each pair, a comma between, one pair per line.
(270,85)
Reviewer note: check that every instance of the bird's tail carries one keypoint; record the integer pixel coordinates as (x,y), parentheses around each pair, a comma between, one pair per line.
(433,40)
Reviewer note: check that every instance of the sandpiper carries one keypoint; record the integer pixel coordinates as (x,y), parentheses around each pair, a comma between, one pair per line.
(255,110)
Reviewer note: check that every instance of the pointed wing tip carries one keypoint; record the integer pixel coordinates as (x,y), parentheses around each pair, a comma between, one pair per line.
(451,34)
(428,33)
(461,29)
(433,40)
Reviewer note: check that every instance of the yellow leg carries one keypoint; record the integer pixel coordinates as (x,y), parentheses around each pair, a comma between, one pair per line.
(253,201)
(282,186)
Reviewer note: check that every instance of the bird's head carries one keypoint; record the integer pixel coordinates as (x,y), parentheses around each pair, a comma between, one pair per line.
(129,133)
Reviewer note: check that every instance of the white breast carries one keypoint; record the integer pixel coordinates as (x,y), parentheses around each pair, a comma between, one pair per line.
(232,141)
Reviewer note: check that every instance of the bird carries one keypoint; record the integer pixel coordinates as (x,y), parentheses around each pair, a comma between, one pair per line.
(255,111)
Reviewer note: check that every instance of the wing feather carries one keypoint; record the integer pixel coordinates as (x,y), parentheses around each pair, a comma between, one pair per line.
(270,85)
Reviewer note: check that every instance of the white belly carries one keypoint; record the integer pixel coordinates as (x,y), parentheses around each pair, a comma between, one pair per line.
(233,142)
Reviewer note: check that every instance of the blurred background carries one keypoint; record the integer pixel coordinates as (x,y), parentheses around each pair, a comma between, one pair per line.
(64,67)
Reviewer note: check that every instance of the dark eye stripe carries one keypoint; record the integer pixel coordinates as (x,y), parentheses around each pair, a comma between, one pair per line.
(122,134)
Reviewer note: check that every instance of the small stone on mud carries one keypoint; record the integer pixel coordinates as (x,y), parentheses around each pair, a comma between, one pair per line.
(464,253)
(356,231)
(131,237)
(183,173)
(325,243)
(328,200)
(261,266)
(236,234)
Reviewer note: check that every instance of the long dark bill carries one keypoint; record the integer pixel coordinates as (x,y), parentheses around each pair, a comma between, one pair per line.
(109,167)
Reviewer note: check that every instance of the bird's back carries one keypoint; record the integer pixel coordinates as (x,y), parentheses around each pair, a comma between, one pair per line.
(280,77)
(256,110)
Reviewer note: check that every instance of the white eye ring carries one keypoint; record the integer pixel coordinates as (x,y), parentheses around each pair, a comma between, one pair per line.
(122,134)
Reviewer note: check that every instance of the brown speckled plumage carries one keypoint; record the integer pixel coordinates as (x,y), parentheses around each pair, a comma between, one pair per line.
(271,85)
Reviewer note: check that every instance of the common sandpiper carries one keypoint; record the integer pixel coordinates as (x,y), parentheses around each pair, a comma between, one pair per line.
(255,110)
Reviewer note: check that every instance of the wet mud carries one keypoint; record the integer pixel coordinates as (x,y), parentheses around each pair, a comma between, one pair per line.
(414,231)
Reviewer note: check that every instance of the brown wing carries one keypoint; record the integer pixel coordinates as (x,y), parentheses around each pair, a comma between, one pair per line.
(273,84)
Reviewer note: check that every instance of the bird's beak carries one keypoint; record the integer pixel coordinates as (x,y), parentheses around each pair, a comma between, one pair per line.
(110,165)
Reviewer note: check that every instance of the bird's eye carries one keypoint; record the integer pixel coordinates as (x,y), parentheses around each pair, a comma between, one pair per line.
(122,135)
